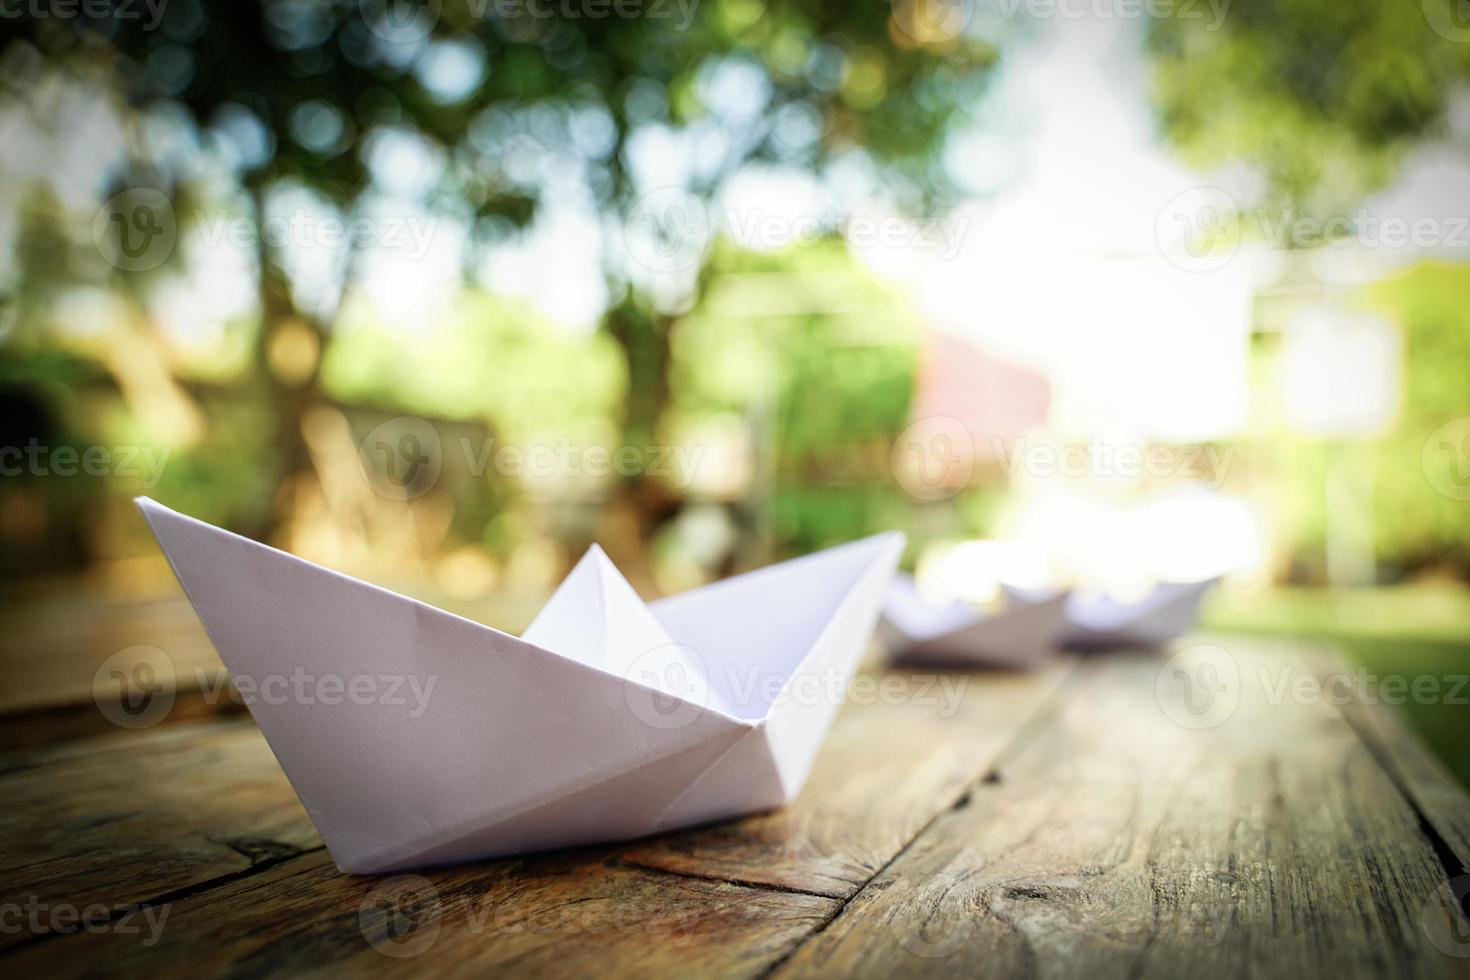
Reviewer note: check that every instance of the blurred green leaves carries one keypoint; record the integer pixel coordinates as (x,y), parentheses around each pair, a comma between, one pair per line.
(1324,96)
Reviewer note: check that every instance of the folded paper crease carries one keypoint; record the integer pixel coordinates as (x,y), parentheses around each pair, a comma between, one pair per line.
(425,738)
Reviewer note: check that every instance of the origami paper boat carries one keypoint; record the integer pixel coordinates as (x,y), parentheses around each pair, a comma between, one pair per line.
(1022,634)
(1099,621)
(610,719)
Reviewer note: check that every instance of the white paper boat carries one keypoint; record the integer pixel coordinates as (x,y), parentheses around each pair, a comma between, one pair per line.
(610,719)
(1023,634)
(1099,621)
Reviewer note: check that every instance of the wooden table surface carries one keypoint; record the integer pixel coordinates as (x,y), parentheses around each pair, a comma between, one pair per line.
(1221,813)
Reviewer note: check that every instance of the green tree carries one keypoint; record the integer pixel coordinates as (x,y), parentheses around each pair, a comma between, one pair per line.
(310,85)
(1324,96)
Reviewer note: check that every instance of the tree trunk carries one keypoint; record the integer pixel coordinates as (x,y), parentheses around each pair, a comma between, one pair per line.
(644,339)
(289,399)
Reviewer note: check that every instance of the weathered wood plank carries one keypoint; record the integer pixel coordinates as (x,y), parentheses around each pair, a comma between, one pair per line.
(1119,841)
(890,764)
(576,913)
(53,646)
(122,819)
(1422,777)
(192,803)
(1114,840)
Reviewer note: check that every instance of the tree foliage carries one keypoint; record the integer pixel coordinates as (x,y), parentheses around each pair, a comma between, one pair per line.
(1323,96)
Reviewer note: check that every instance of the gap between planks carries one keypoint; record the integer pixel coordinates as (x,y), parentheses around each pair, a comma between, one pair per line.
(169,897)
(1454,866)
(988,773)
(1376,730)
(992,773)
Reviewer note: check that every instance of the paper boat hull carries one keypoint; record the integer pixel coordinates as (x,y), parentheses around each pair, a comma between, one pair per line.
(415,737)
(1169,612)
(1021,635)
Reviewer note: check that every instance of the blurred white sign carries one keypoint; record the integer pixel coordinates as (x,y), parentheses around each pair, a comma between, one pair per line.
(1340,374)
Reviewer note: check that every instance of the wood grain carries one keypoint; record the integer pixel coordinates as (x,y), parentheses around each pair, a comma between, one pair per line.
(200,801)
(887,768)
(132,816)
(1423,779)
(1119,843)
(577,913)
(1086,819)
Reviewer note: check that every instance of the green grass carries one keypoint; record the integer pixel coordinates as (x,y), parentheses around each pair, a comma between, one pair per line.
(1403,632)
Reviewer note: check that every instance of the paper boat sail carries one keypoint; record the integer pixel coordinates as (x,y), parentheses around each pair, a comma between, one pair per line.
(1099,621)
(1023,634)
(415,737)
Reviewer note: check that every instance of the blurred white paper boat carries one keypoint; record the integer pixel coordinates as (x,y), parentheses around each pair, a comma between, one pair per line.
(1023,634)
(610,719)
(1099,621)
